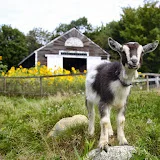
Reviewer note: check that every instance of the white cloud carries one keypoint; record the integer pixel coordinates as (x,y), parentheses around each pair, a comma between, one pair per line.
(48,14)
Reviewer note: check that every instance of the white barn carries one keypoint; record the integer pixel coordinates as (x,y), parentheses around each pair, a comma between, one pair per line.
(72,49)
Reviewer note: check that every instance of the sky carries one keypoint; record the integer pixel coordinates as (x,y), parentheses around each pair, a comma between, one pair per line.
(48,14)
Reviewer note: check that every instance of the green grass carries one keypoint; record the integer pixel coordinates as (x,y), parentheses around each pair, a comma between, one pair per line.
(25,123)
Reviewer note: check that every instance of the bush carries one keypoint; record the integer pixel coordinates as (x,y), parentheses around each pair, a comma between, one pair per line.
(3,68)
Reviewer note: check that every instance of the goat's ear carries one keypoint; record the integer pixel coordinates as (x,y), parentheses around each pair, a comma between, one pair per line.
(114,45)
(150,46)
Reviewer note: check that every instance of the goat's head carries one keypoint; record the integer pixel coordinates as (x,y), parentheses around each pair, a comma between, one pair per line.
(132,52)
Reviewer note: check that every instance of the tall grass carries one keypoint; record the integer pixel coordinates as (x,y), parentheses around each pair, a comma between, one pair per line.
(25,123)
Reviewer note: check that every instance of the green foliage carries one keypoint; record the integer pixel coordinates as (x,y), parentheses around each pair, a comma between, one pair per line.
(143,25)
(32,44)
(100,36)
(81,24)
(145,122)
(88,146)
(3,68)
(25,123)
(13,46)
(37,38)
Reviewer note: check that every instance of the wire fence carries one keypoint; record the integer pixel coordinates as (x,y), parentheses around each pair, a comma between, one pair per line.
(51,85)
(147,81)
(42,85)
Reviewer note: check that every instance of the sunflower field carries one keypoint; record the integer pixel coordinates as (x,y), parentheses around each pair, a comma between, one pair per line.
(40,80)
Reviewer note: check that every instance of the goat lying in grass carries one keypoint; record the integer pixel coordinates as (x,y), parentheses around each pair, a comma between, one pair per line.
(109,84)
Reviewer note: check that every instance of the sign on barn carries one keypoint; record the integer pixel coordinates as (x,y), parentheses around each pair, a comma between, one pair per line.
(72,49)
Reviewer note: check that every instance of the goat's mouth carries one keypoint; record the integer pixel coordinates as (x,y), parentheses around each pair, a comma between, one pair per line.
(131,66)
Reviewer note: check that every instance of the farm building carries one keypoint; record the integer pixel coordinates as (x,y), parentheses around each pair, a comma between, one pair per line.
(72,49)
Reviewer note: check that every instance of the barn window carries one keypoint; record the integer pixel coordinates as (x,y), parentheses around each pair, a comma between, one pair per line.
(73,42)
(73,53)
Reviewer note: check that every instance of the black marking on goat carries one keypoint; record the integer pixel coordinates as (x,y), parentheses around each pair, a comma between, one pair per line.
(86,101)
(123,58)
(133,48)
(141,60)
(107,73)
(102,108)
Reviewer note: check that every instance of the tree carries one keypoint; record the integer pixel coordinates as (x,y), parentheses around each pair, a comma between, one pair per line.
(100,36)
(32,44)
(13,46)
(3,68)
(81,24)
(40,35)
(37,38)
(143,25)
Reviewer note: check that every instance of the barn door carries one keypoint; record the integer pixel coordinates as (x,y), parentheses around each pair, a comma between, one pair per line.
(54,62)
(77,63)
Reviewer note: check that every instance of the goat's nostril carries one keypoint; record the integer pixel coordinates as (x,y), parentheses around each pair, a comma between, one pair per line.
(134,61)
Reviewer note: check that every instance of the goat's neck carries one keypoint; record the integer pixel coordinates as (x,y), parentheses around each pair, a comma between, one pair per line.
(128,75)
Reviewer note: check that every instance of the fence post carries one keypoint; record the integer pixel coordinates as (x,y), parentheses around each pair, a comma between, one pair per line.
(41,87)
(147,83)
(4,84)
(157,81)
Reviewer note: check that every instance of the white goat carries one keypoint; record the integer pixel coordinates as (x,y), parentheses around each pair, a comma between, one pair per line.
(109,84)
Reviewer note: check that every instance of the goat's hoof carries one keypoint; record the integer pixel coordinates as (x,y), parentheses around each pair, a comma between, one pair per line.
(91,133)
(109,144)
(104,147)
(124,144)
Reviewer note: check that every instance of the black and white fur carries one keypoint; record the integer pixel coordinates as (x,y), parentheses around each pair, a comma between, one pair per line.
(109,84)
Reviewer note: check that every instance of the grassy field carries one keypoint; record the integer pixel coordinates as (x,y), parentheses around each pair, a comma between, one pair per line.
(25,123)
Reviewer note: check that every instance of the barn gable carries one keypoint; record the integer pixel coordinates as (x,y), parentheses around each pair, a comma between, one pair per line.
(72,47)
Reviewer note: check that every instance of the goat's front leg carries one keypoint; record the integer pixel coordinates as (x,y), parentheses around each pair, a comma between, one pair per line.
(106,128)
(120,127)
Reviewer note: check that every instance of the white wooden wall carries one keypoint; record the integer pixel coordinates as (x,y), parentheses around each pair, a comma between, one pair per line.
(54,61)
